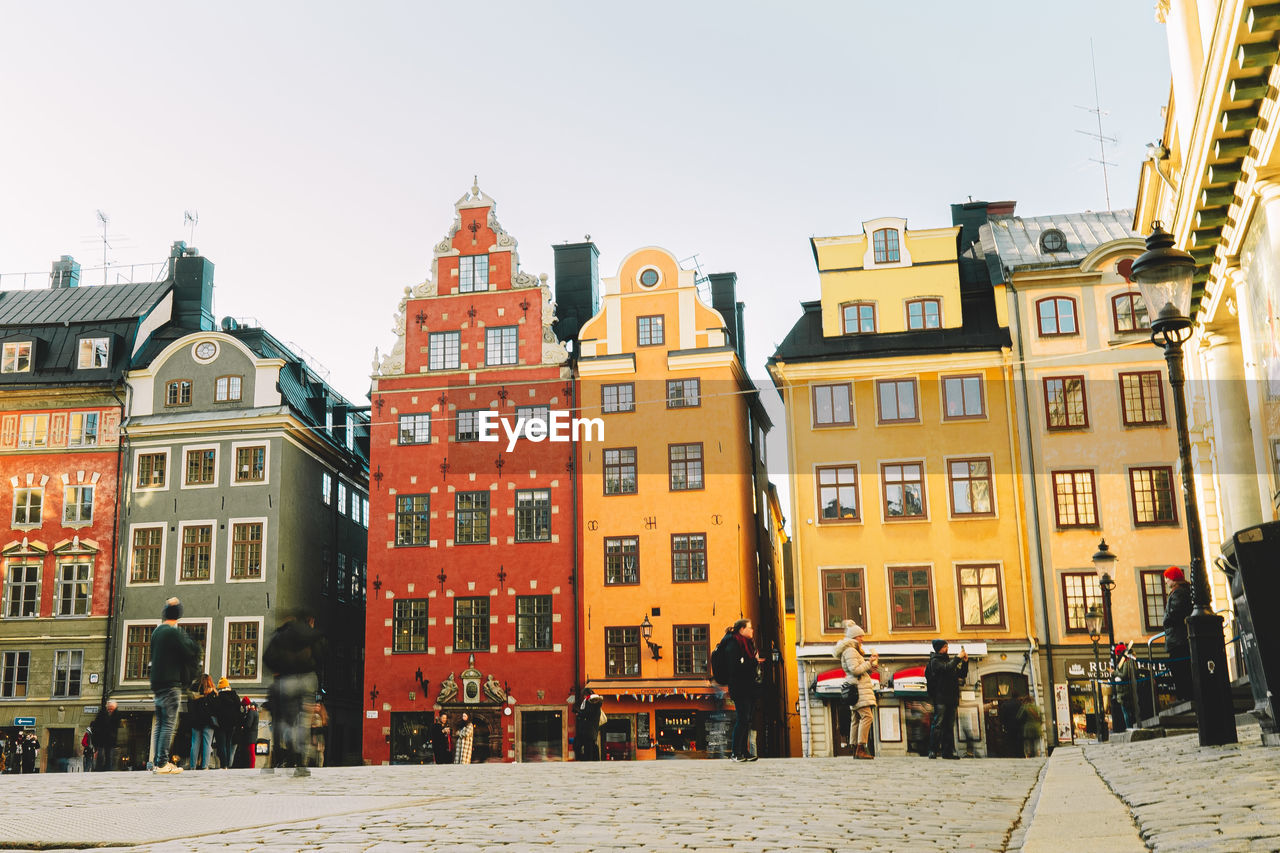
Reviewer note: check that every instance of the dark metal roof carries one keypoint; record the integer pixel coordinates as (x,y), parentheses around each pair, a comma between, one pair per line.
(83,304)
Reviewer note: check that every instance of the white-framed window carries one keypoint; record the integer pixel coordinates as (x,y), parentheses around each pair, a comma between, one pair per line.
(146,554)
(342,498)
(473,274)
(151,470)
(833,404)
(197,547)
(415,429)
(73,594)
(15,357)
(21,589)
(355,506)
(444,350)
(351,431)
(250,460)
(77,504)
(15,670)
(82,431)
(28,506)
(246,552)
(242,645)
(200,466)
(68,668)
(364,512)
(33,430)
(326,488)
(226,389)
(501,345)
(94,354)
(529,414)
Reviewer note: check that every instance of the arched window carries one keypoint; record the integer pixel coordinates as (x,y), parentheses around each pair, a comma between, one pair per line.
(1057,316)
(1129,312)
(885,244)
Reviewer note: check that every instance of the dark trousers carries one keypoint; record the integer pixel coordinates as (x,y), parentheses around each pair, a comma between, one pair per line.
(1180,669)
(744,701)
(104,758)
(587,740)
(942,730)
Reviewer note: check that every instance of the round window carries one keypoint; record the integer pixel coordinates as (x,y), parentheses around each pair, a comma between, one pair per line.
(1053,240)
(206,350)
(649,277)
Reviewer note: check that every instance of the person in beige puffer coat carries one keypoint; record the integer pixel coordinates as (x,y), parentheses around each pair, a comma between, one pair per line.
(859,668)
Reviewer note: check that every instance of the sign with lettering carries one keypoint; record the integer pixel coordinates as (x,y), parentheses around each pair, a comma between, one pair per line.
(642,732)
(371,715)
(24,722)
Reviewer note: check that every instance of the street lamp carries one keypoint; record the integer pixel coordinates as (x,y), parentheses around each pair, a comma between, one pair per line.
(1164,276)
(646,631)
(1093,624)
(1103,562)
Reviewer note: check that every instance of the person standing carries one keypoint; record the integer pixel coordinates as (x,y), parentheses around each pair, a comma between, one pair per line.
(226,716)
(742,687)
(200,710)
(174,661)
(943,675)
(587,730)
(245,754)
(857,669)
(30,752)
(319,728)
(105,728)
(463,740)
(442,739)
(1123,683)
(1176,610)
(86,750)
(293,655)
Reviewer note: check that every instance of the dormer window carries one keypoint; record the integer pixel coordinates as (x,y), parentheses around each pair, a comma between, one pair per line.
(858,317)
(1053,240)
(885,244)
(473,274)
(15,357)
(94,353)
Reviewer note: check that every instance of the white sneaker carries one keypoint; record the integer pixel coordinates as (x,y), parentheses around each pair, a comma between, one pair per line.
(169,768)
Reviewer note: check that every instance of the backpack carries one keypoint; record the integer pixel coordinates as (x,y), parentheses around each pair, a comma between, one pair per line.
(722,659)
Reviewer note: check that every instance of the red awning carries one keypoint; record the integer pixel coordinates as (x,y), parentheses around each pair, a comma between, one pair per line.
(833,679)
(910,680)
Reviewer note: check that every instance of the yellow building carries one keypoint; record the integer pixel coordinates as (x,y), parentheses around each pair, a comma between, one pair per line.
(669,534)
(905,501)
(1096,420)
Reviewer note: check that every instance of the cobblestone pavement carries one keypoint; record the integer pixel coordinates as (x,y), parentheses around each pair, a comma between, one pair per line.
(903,804)
(1186,797)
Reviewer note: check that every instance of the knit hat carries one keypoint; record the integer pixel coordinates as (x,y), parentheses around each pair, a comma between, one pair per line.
(246,701)
(938,645)
(852,630)
(1121,648)
(1175,574)
(223,684)
(172,610)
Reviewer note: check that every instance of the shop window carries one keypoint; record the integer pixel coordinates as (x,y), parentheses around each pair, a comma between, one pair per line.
(843,597)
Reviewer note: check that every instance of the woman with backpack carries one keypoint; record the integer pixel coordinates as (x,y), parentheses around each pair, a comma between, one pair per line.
(857,669)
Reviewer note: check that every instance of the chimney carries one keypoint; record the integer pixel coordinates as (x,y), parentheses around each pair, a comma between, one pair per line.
(724,298)
(577,287)
(65,273)
(192,276)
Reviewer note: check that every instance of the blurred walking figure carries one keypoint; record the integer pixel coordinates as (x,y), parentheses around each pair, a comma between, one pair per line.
(293,654)
(200,711)
(226,716)
(857,670)
(319,728)
(174,661)
(105,728)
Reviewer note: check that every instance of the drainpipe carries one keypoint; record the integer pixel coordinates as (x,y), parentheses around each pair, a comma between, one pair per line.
(108,670)
(1037,576)
(574,580)
(797,575)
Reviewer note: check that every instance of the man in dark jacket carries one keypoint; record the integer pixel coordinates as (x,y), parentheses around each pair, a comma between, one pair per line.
(442,739)
(174,663)
(1176,611)
(294,655)
(586,733)
(742,687)
(105,729)
(227,714)
(943,676)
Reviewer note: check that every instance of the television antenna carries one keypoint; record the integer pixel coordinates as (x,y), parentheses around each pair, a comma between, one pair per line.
(190,218)
(104,220)
(1102,139)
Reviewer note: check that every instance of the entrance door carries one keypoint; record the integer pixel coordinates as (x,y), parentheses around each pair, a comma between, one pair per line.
(411,738)
(616,743)
(1003,694)
(841,721)
(541,735)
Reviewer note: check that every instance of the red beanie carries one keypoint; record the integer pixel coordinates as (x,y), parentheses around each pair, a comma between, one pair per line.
(1174,574)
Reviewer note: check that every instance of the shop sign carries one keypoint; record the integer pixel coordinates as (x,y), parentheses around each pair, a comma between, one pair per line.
(371,715)
(1062,702)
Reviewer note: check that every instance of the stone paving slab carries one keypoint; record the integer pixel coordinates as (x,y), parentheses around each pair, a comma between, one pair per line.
(821,804)
(1186,797)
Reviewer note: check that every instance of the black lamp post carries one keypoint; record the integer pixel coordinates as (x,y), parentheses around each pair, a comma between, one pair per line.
(1164,276)
(1103,562)
(1093,624)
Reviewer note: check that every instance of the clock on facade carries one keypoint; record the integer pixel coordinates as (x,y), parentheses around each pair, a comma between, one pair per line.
(205,350)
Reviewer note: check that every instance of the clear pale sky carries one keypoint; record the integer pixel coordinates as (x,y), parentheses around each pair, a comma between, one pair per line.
(324,144)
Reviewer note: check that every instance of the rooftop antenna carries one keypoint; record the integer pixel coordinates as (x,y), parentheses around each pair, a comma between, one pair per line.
(700,281)
(1098,112)
(190,218)
(104,220)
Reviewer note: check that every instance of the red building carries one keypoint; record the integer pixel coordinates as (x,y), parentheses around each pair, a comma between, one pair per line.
(471,542)
(63,354)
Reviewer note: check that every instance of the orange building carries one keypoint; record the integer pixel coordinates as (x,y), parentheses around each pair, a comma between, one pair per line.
(668,527)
